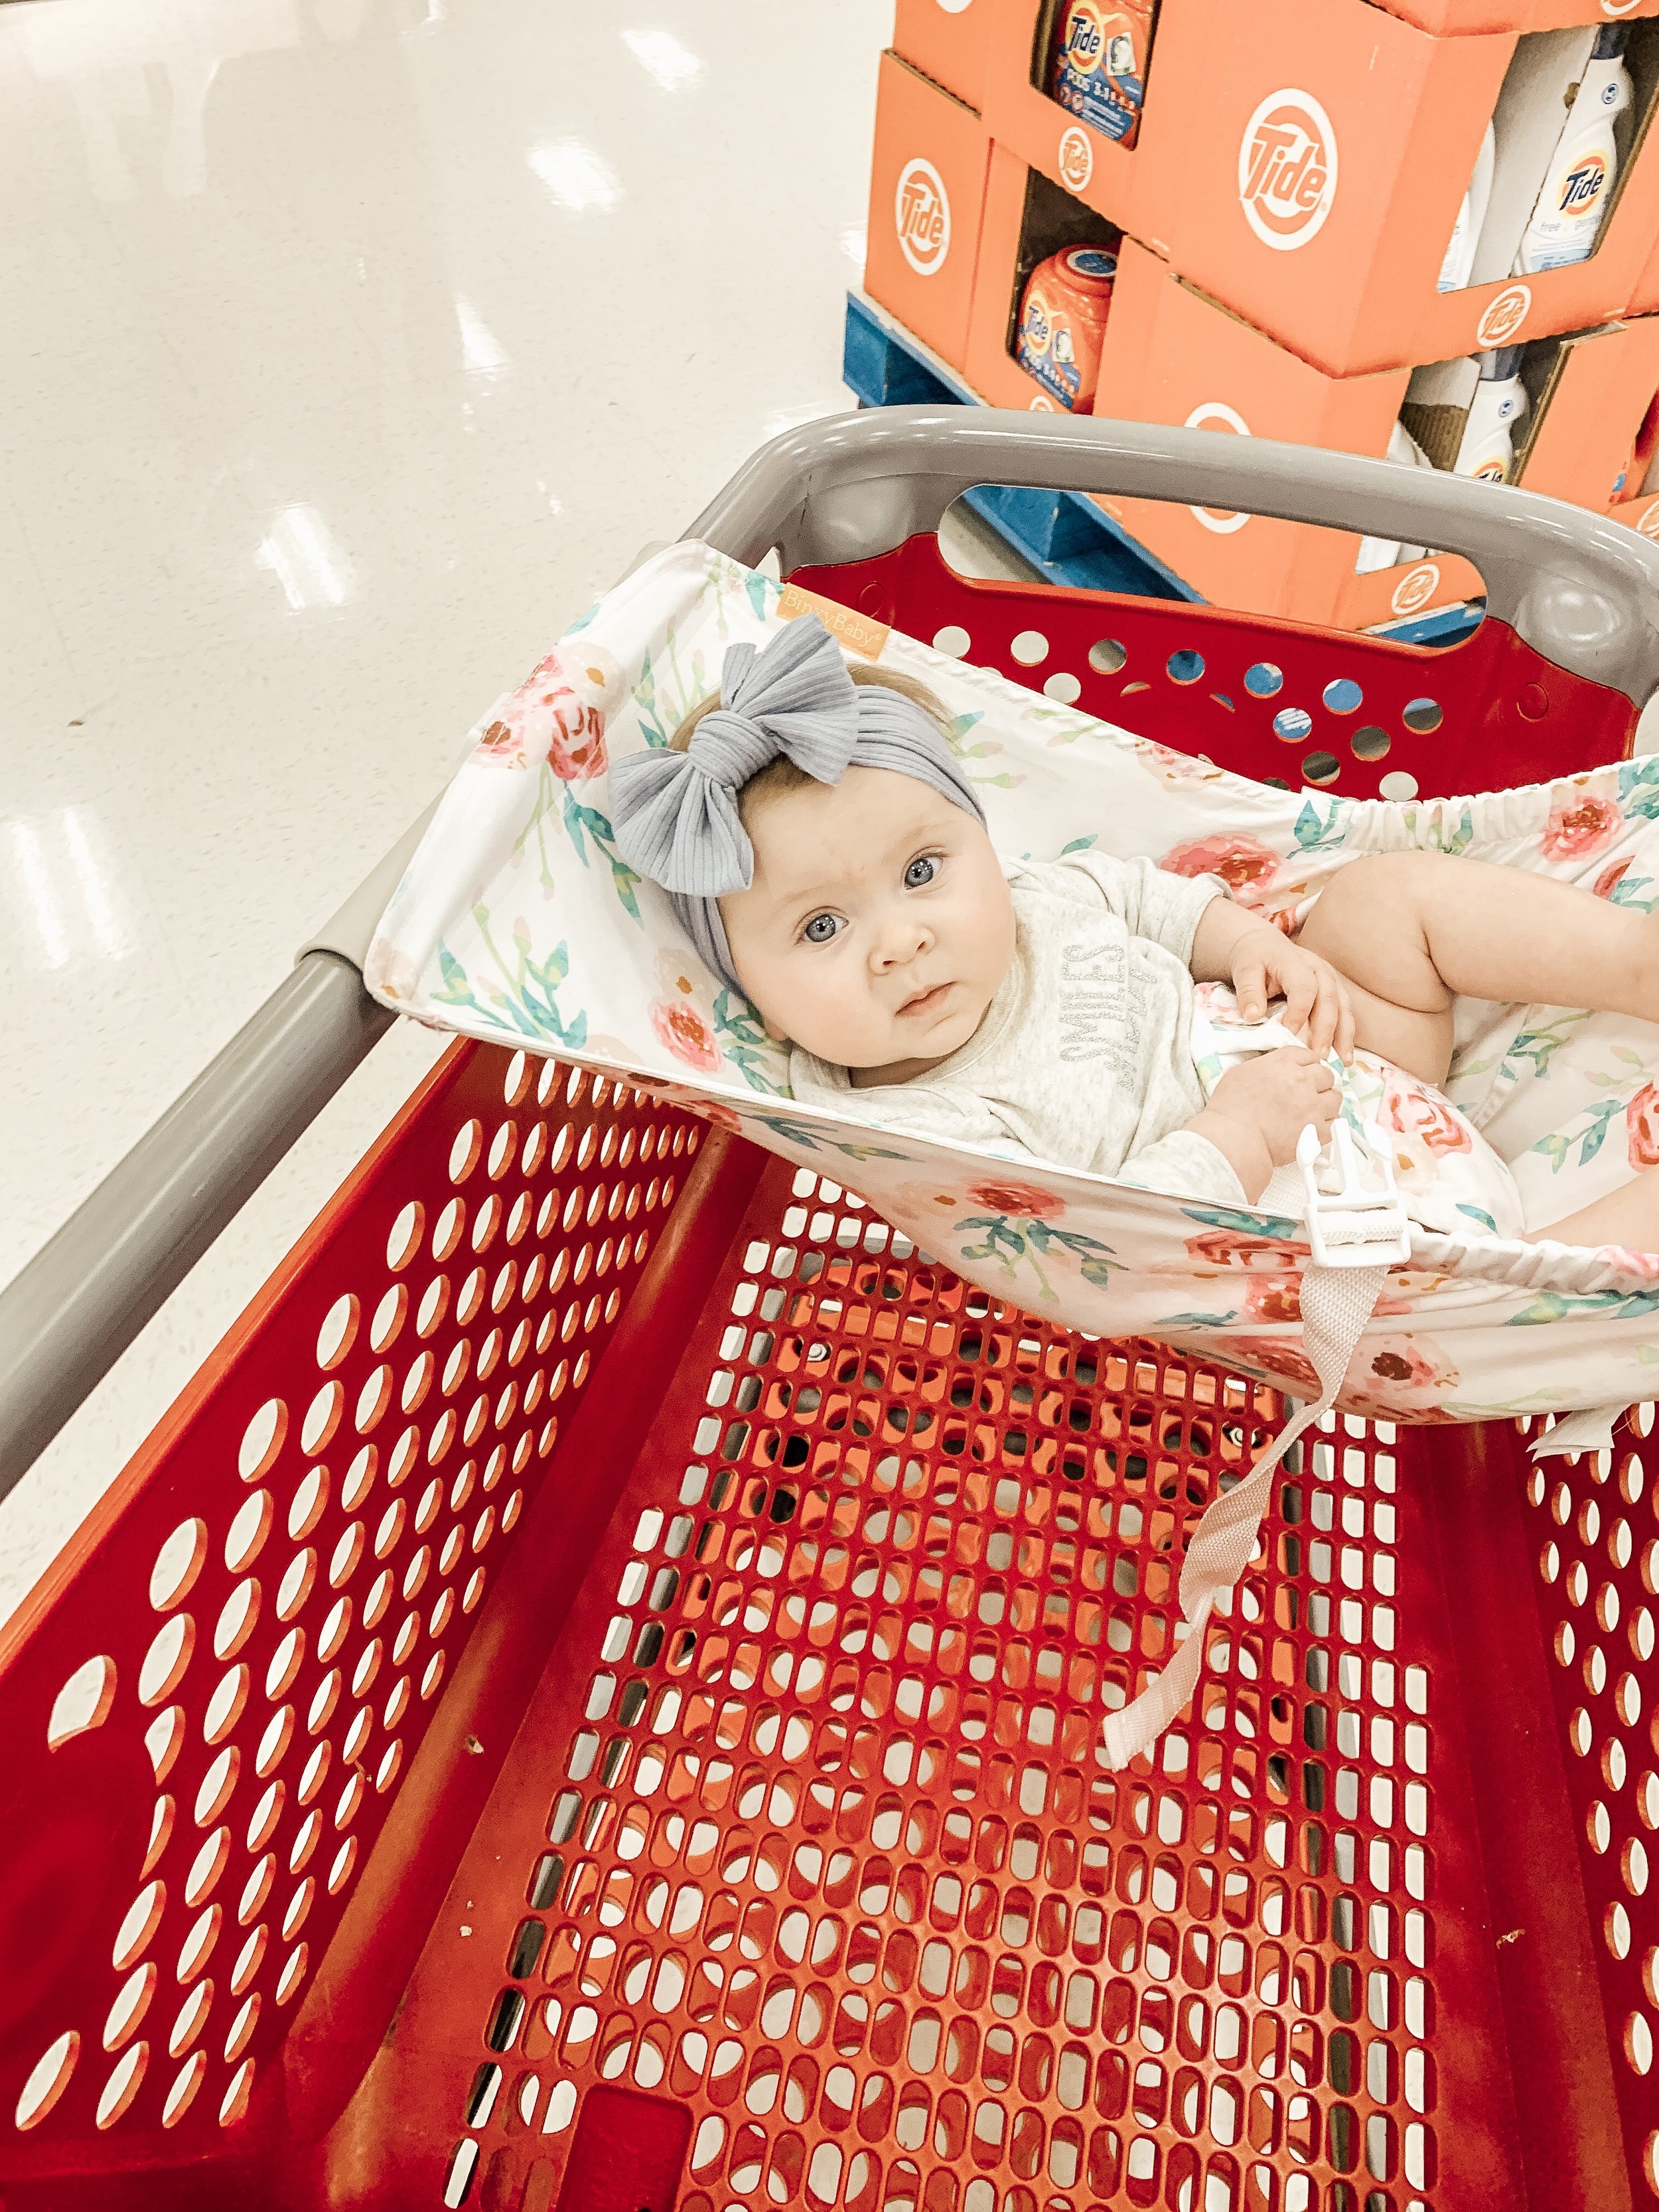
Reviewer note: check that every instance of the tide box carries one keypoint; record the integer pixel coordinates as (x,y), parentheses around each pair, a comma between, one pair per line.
(1021,112)
(945,40)
(1172,356)
(1304,162)
(1026,218)
(926,193)
(1444,17)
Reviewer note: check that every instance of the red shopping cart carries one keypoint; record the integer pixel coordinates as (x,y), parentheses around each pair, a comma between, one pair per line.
(592,1697)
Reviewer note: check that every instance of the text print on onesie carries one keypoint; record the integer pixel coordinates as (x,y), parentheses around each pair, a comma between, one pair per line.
(1100,985)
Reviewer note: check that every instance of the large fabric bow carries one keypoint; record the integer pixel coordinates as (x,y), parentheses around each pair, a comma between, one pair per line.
(675,815)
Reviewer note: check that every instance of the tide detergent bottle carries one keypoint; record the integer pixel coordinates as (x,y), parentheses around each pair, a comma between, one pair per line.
(1466,231)
(1577,188)
(1098,66)
(1487,446)
(1062,323)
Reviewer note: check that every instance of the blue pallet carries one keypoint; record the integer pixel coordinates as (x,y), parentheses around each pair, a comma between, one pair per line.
(1063,535)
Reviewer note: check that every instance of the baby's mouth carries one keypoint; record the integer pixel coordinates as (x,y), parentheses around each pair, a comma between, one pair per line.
(927,1002)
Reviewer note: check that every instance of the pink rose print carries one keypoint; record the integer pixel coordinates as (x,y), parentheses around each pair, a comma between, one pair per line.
(1231,1248)
(1642,1128)
(1397,1377)
(1245,864)
(1026,1199)
(559,715)
(1633,1263)
(1611,877)
(1416,1111)
(1175,769)
(1288,1368)
(687,1032)
(1580,824)
(723,1117)
(1273,1298)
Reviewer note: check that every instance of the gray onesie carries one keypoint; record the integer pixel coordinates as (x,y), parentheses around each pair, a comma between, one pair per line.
(1084,1058)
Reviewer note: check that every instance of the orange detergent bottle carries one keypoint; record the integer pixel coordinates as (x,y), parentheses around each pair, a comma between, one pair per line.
(1062,323)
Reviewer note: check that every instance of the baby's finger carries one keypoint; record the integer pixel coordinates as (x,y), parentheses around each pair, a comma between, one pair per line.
(1344,1038)
(1300,992)
(1322,1020)
(1250,989)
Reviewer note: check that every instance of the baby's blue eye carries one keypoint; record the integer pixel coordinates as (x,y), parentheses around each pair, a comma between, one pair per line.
(921,873)
(821,929)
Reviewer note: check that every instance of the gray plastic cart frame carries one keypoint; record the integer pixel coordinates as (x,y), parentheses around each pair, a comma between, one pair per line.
(1583,591)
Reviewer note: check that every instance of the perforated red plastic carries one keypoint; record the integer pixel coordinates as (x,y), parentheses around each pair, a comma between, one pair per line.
(1363,716)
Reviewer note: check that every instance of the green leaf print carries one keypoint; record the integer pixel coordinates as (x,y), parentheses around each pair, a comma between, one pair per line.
(579,819)
(1638,788)
(1559,1147)
(1080,845)
(1318,823)
(1539,1046)
(758,588)
(745,1043)
(1246,1224)
(1610,1305)
(524,1001)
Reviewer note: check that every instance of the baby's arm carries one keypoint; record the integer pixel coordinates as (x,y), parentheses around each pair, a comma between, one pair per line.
(1260,1108)
(1230,946)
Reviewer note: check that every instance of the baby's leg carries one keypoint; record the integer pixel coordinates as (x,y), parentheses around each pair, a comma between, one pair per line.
(1413,930)
(1629,1217)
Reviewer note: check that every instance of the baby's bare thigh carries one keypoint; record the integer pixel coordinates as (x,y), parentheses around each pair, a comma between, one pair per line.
(1368,925)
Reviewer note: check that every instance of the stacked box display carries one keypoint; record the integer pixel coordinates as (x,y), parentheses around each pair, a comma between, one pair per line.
(1280,205)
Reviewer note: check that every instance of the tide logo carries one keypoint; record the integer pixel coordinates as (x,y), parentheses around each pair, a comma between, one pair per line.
(1501,318)
(1618,7)
(1086,40)
(1581,187)
(1037,330)
(1076,158)
(1215,414)
(1287,169)
(1415,588)
(921,216)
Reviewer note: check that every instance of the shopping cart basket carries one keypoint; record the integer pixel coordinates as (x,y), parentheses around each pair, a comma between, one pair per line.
(592,1696)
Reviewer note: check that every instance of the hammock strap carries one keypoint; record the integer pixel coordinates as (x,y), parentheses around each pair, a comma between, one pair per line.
(1337,1303)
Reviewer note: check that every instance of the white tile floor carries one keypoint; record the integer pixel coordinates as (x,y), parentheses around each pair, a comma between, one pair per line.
(349,347)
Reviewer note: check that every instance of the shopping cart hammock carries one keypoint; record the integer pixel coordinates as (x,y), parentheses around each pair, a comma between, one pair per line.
(518,922)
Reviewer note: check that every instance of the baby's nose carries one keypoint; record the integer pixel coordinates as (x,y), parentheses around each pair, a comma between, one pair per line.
(902,939)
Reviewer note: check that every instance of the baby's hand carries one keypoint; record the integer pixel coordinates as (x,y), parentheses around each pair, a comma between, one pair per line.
(1318,1005)
(1260,1108)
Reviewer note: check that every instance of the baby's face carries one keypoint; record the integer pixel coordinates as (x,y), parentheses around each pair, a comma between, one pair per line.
(878,924)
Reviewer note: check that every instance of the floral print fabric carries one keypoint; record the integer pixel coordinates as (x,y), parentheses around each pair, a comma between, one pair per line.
(517,921)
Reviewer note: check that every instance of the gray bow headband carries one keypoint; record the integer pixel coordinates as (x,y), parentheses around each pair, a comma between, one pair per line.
(675,815)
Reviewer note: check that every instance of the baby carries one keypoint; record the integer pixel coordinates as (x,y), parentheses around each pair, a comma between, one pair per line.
(827,855)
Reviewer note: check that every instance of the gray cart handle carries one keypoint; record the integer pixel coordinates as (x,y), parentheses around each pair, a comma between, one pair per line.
(1583,591)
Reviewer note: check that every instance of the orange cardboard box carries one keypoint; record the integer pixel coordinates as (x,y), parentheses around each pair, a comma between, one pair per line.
(1304,162)
(1595,423)
(1019,113)
(926,192)
(1173,356)
(945,40)
(1450,17)
(1026,219)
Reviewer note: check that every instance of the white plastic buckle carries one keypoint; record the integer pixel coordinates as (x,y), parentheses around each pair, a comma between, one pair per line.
(1355,1218)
